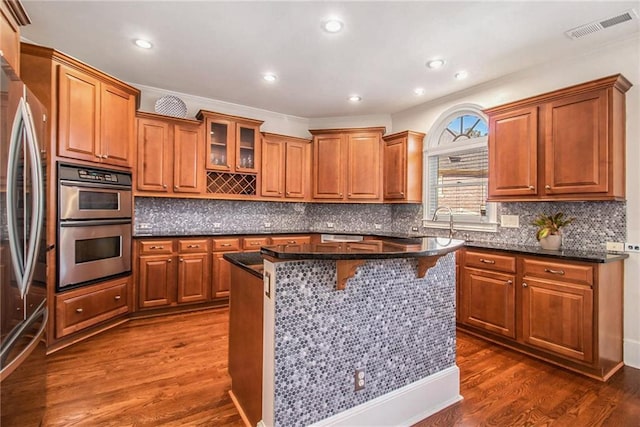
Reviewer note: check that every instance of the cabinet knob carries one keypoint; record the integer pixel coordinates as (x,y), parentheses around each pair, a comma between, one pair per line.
(175,187)
(524,285)
(237,166)
(340,194)
(181,259)
(105,156)
(98,156)
(531,187)
(280,192)
(79,310)
(509,282)
(288,193)
(117,298)
(164,185)
(169,260)
(547,187)
(402,193)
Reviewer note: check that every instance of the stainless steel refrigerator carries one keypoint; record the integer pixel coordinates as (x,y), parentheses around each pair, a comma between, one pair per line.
(23,307)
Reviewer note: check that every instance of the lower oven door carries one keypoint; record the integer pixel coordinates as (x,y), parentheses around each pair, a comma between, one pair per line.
(93,250)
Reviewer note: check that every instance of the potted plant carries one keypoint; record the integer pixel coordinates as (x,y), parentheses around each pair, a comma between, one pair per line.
(549,234)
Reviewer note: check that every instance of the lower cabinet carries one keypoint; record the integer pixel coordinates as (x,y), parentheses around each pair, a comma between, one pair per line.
(87,306)
(566,312)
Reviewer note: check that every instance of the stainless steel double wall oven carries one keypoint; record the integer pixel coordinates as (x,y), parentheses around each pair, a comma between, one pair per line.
(94,225)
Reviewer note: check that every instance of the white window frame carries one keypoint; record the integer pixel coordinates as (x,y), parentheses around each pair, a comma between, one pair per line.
(432,148)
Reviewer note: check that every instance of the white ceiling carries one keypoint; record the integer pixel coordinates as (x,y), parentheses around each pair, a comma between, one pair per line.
(220,49)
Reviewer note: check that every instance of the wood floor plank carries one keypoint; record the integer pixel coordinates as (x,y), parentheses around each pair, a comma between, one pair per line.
(172,371)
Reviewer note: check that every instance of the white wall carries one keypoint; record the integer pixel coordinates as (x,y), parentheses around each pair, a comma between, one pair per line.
(621,57)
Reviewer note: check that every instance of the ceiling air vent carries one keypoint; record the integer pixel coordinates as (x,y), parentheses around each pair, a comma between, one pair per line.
(592,27)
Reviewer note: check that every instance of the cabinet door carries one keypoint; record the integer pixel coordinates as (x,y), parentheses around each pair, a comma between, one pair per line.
(272,168)
(513,153)
(116,125)
(188,175)
(576,146)
(247,155)
(488,301)
(78,115)
(363,178)
(220,136)
(193,278)
(9,38)
(395,169)
(155,164)
(328,167)
(221,282)
(558,317)
(296,170)
(156,281)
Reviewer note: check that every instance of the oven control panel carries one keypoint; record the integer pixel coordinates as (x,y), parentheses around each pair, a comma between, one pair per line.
(97,176)
(76,173)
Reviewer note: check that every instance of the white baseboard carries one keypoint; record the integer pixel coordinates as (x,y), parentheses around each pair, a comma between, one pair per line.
(405,406)
(632,353)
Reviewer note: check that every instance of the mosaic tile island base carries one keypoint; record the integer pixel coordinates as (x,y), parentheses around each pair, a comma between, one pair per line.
(398,328)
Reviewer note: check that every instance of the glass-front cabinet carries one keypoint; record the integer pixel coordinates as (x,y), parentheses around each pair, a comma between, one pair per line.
(233,143)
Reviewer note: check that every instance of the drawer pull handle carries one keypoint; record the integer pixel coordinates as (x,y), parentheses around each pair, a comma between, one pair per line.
(487,261)
(291,242)
(524,285)
(225,245)
(79,310)
(254,243)
(117,297)
(548,270)
(193,246)
(156,247)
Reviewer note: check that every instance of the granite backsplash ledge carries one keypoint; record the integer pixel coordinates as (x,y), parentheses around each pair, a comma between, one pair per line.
(596,222)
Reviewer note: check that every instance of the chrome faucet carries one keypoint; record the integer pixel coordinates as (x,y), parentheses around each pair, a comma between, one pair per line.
(435,218)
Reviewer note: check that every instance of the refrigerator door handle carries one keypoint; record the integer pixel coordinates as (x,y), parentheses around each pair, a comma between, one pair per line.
(24,264)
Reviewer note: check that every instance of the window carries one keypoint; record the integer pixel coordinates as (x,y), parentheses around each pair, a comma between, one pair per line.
(457,170)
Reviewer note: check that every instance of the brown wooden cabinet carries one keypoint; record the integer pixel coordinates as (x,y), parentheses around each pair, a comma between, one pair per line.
(347,164)
(90,305)
(221,278)
(170,156)
(233,143)
(563,145)
(565,312)
(93,113)
(12,16)
(402,181)
(285,167)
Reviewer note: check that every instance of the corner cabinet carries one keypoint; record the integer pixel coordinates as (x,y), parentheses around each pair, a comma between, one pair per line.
(565,312)
(563,145)
(347,164)
(170,155)
(286,164)
(402,181)
(95,112)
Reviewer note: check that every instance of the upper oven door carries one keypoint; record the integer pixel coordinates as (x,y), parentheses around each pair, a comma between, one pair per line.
(81,201)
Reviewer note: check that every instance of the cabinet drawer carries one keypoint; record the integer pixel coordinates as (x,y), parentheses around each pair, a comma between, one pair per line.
(232,244)
(575,273)
(254,243)
(193,246)
(290,240)
(80,309)
(490,261)
(156,247)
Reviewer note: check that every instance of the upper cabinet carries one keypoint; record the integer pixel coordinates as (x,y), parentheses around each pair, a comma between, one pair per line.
(170,155)
(564,145)
(403,167)
(94,114)
(286,165)
(347,164)
(233,143)
(12,16)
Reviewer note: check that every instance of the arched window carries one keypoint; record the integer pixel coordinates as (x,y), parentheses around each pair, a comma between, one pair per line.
(457,170)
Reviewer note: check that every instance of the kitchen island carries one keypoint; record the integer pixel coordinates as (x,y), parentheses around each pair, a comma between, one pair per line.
(359,333)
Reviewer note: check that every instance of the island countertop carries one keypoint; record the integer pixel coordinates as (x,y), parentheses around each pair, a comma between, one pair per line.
(385,248)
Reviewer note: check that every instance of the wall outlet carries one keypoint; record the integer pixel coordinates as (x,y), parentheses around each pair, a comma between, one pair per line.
(509,221)
(377,226)
(615,246)
(217,225)
(632,247)
(330,225)
(359,379)
(143,226)
(267,225)
(414,228)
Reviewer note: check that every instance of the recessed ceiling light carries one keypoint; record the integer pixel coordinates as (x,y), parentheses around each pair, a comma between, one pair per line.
(270,77)
(461,75)
(419,91)
(355,98)
(332,25)
(435,63)
(145,44)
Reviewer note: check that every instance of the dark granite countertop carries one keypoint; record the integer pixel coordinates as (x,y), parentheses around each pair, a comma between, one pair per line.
(268,232)
(249,261)
(368,249)
(568,254)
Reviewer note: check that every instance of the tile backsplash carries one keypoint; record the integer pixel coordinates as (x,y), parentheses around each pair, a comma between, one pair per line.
(596,222)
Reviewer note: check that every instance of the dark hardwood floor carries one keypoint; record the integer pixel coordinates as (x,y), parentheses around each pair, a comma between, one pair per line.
(171,371)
